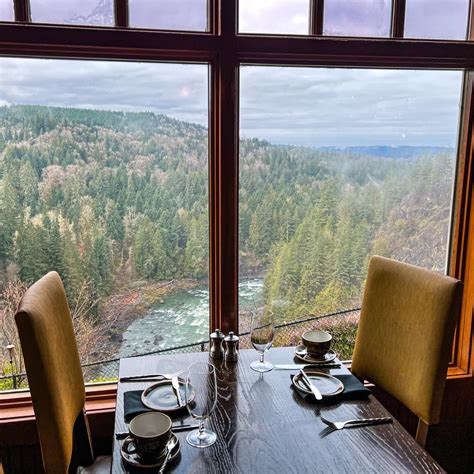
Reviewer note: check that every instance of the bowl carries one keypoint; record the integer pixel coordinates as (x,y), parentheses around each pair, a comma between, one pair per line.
(317,342)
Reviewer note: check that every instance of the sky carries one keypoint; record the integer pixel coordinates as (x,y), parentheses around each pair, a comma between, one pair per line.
(302,106)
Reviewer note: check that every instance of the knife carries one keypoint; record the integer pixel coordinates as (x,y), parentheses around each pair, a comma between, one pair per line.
(175,384)
(331,365)
(311,386)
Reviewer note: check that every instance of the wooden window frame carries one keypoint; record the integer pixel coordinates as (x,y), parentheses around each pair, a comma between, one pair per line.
(225,50)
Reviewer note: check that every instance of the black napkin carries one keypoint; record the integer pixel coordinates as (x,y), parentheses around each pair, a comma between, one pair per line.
(353,390)
(132,404)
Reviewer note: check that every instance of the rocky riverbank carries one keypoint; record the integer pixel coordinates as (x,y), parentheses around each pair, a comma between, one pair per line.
(118,311)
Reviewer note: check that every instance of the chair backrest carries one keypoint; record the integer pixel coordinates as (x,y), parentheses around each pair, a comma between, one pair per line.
(405,334)
(54,374)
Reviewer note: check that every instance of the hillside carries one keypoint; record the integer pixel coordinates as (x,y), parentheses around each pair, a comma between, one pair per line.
(111,198)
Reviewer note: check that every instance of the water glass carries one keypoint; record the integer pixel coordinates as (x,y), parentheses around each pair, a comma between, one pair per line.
(201,399)
(262,334)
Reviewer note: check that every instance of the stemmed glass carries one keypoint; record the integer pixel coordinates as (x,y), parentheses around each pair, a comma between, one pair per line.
(262,334)
(201,399)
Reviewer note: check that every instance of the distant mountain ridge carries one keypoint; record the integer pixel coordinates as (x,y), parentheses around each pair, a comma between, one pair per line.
(385,151)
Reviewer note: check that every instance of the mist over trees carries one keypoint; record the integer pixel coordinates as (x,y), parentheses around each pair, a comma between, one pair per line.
(108,198)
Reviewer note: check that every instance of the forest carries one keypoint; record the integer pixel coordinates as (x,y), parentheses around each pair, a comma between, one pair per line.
(110,198)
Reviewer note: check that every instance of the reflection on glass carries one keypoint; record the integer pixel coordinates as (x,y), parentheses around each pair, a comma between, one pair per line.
(274,16)
(6,10)
(337,165)
(190,15)
(357,17)
(437,19)
(76,12)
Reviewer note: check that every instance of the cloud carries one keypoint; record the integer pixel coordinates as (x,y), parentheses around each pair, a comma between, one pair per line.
(341,107)
(109,85)
(305,106)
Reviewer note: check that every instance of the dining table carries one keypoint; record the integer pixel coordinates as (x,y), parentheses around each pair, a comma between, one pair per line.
(264,425)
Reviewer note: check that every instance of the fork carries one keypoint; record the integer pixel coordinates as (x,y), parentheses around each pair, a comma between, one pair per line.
(339,425)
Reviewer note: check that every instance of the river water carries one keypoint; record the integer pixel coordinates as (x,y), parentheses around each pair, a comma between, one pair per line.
(182,318)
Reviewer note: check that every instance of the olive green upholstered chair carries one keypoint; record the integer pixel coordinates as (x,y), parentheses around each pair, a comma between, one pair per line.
(55,378)
(405,335)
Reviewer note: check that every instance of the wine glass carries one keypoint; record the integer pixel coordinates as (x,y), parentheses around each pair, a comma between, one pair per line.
(261,335)
(201,399)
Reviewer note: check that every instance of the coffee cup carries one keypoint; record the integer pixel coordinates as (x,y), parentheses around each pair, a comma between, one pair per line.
(149,434)
(317,342)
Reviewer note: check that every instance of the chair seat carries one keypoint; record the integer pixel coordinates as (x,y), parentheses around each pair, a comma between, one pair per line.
(102,465)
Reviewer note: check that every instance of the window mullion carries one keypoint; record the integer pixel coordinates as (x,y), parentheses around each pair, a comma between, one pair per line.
(121,13)
(398,18)
(22,10)
(223,174)
(316,18)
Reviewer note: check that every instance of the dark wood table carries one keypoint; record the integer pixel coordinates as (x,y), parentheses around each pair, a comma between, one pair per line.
(263,426)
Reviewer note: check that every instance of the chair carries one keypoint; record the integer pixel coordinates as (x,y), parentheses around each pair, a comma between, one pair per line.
(405,335)
(55,378)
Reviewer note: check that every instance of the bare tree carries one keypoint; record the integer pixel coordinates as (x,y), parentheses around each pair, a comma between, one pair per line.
(10,298)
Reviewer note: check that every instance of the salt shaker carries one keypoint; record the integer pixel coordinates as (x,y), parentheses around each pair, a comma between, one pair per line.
(231,344)
(217,344)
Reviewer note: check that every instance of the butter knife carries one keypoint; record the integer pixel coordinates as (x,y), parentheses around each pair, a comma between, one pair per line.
(175,384)
(311,386)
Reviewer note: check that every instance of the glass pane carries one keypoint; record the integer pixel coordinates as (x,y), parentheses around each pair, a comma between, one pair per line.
(274,16)
(104,178)
(76,12)
(440,19)
(337,165)
(6,10)
(169,14)
(357,17)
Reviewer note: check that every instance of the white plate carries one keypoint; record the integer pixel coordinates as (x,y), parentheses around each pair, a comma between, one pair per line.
(134,459)
(302,354)
(328,385)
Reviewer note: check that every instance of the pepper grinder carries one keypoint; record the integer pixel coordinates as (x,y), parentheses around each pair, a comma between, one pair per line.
(217,344)
(231,344)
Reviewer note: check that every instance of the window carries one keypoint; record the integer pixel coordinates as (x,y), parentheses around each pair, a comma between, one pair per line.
(357,17)
(104,179)
(189,15)
(345,164)
(437,19)
(274,17)
(142,100)
(6,11)
(76,12)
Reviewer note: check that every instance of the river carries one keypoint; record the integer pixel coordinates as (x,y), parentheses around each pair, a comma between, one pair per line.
(181,318)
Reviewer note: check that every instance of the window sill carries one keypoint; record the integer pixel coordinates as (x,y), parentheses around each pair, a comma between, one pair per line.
(16,406)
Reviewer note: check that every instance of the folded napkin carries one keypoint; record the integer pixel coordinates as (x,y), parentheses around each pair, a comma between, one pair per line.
(132,404)
(353,390)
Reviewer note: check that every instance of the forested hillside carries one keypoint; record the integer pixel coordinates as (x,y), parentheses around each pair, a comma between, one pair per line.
(108,198)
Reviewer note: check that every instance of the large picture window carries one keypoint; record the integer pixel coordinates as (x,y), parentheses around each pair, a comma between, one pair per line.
(104,179)
(345,164)
(182,163)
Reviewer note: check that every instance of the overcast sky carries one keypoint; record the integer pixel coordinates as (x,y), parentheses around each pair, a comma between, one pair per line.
(308,106)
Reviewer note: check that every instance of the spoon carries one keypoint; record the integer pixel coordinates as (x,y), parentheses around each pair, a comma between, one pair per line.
(169,447)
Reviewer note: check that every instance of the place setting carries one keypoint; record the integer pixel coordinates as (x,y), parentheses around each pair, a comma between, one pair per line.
(313,383)
(150,441)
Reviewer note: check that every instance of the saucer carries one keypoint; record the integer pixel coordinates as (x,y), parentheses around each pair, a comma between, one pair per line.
(161,396)
(302,354)
(328,385)
(134,459)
